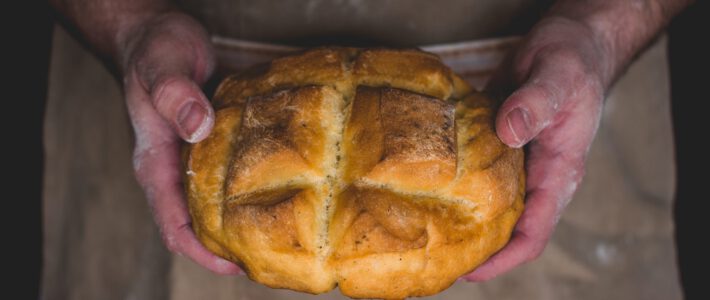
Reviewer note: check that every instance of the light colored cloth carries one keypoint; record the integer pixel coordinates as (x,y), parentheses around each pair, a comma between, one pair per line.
(475,61)
(614,241)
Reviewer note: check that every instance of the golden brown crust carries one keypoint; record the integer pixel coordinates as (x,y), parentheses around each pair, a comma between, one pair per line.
(377,170)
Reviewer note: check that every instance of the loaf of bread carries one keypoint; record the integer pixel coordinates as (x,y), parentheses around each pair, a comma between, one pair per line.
(375,170)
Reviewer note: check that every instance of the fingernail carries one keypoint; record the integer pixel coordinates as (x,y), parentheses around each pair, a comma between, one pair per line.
(192,119)
(519,124)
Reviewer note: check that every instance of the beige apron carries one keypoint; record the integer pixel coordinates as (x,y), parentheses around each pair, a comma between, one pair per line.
(614,241)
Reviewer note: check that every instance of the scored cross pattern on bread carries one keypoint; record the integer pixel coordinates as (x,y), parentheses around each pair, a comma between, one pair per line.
(374,169)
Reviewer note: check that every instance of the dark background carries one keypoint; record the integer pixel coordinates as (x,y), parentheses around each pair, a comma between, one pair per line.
(688,52)
(26,48)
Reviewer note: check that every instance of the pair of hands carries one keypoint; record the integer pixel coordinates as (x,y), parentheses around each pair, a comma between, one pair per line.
(555,109)
(554,85)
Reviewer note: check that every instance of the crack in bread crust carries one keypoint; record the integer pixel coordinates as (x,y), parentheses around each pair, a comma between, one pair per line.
(374,169)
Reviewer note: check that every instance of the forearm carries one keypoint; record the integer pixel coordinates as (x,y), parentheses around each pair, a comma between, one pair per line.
(621,27)
(105,24)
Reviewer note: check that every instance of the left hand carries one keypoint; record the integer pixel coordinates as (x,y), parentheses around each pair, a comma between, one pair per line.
(560,74)
(556,109)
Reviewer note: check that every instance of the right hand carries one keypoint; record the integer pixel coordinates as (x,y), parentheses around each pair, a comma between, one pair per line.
(165,59)
(559,84)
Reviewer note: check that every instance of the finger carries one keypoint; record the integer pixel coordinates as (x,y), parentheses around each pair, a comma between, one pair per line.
(553,180)
(157,167)
(555,167)
(527,241)
(159,175)
(554,78)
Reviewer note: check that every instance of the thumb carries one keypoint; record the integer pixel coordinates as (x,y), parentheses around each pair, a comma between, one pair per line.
(525,113)
(182,104)
(170,59)
(535,105)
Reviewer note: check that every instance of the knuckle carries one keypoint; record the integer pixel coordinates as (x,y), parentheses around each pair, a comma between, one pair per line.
(160,87)
(138,171)
(142,176)
(520,67)
(568,56)
(574,62)
(170,91)
(536,251)
(534,255)
(139,158)
(171,243)
(174,237)
(594,90)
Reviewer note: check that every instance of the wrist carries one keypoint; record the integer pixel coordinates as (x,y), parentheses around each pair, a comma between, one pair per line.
(102,24)
(620,29)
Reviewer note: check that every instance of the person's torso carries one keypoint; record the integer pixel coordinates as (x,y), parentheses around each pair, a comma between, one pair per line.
(364,22)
